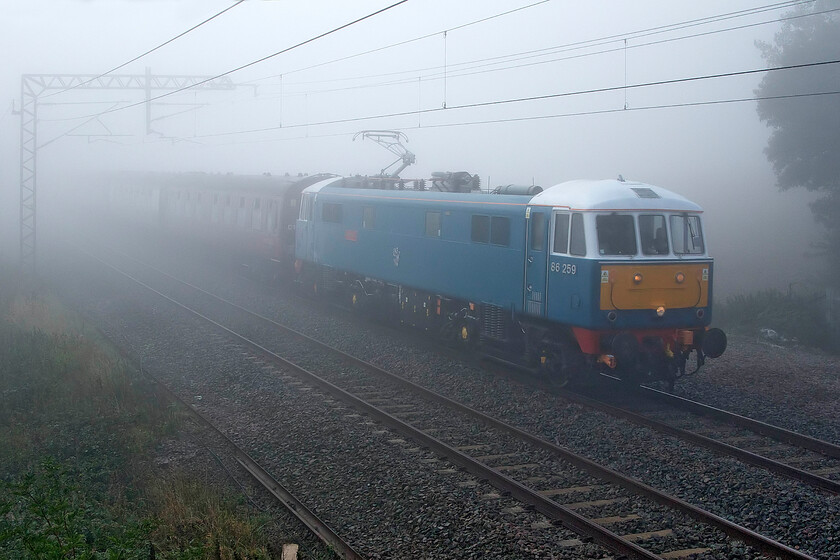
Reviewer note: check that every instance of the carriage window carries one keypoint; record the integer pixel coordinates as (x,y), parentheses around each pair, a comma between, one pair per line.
(652,234)
(561,234)
(368,217)
(686,236)
(616,234)
(500,231)
(577,243)
(537,232)
(480,230)
(433,224)
(331,212)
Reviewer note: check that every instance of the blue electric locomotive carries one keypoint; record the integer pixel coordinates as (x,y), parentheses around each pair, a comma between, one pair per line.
(586,275)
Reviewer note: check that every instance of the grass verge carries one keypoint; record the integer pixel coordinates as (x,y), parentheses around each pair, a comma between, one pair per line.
(78,433)
(794,317)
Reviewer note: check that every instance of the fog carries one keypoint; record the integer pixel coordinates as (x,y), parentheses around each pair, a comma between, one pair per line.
(297,112)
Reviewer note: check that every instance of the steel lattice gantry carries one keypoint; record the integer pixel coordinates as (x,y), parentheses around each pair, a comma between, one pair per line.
(33,85)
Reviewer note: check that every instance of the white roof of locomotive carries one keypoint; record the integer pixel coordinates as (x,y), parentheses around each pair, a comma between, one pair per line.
(612,194)
(316,187)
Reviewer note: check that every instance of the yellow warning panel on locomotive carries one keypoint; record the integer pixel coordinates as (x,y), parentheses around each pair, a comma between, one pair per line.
(653,285)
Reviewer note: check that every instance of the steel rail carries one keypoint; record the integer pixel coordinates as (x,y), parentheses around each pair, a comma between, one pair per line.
(705,441)
(296,507)
(731,529)
(547,507)
(782,434)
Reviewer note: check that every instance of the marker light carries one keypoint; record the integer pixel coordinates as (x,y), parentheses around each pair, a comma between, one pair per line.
(680,277)
(660,311)
(637,278)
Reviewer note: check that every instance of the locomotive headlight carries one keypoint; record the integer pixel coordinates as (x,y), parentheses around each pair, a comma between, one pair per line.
(660,311)
(637,278)
(680,277)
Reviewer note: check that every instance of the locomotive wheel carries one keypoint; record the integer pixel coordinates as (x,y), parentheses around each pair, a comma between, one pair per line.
(560,362)
(551,364)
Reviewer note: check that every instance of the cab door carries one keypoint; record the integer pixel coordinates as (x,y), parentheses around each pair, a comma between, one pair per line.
(536,260)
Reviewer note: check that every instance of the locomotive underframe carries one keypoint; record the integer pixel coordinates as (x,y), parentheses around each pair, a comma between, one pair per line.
(536,344)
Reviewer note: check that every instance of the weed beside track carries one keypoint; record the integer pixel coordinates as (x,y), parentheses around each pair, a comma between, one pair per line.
(93,461)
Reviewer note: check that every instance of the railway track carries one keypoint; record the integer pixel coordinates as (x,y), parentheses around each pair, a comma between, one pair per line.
(790,454)
(561,485)
(284,497)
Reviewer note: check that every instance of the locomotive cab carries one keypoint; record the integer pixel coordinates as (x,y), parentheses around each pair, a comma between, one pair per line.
(626,267)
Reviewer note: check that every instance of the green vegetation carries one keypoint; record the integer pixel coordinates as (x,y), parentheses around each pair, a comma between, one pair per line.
(805,137)
(78,429)
(795,317)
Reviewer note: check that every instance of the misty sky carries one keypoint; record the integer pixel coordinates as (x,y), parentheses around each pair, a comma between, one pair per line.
(281,116)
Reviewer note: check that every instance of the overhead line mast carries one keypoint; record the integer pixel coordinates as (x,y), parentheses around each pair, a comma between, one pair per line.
(32,86)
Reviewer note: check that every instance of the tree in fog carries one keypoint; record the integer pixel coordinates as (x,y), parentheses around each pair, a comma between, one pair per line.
(804,146)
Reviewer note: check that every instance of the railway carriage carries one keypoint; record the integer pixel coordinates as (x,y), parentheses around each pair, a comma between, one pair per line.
(584,276)
(247,217)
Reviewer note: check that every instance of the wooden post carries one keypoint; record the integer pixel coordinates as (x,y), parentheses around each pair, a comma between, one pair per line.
(289,552)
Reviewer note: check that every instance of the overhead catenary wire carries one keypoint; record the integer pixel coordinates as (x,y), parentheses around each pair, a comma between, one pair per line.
(570,46)
(653,43)
(594,112)
(475,70)
(559,48)
(590,91)
(420,111)
(405,42)
(249,64)
(640,108)
(468,24)
(138,57)
(563,47)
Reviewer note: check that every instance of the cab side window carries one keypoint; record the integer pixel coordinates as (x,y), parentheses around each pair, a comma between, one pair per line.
(561,234)
(538,223)
(577,242)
